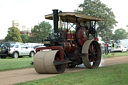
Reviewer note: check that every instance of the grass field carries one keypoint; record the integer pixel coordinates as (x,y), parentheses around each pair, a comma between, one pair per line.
(116,54)
(110,75)
(11,63)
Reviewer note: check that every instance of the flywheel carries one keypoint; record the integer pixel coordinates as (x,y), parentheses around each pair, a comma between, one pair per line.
(91,54)
(43,62)
(81,36)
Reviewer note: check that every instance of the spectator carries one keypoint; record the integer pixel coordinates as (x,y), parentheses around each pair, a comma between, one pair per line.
(112,47)
(106,48)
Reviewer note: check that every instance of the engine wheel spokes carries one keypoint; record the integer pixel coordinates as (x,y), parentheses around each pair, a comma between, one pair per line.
(93,54)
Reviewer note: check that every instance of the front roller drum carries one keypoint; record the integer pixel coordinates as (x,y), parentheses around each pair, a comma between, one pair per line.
(91,54)
(43,62)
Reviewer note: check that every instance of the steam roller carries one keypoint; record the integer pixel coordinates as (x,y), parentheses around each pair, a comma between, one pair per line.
(66,48)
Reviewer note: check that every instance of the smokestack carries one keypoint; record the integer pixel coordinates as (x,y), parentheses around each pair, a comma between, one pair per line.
(55,20)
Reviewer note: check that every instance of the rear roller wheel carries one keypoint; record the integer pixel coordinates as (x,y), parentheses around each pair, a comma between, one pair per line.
(43,62)
(91,54)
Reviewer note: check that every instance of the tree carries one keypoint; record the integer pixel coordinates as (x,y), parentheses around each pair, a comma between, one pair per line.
(25,38)
(119,34)
(97,9)
(127,31)
(13,35)
(40,31)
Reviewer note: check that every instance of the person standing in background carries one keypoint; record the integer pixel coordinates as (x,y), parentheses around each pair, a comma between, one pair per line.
(112,47)
(106,48)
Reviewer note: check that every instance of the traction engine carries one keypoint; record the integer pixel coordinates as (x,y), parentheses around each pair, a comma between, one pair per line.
(64,48)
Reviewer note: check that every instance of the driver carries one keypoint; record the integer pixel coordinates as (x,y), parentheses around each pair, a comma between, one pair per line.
(85,26)
(78,26)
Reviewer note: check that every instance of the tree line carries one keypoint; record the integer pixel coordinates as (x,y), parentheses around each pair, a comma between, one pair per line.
(38,33)
(89,7)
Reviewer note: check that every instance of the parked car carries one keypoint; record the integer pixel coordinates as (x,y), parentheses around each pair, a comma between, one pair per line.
(109,48)
(126,48)
(34,45)
(38,46)
(15,49)
(0,44)
(119,48)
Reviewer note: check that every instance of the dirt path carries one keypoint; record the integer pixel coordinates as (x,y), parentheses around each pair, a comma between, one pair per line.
(23,75)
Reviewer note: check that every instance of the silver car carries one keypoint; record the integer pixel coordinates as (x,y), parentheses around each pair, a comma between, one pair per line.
(16,49)
(119,48)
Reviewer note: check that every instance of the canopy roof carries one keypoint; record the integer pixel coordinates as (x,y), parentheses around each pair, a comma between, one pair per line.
(71,17)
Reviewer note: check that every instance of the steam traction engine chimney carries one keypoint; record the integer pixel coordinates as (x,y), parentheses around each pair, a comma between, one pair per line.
(55,20)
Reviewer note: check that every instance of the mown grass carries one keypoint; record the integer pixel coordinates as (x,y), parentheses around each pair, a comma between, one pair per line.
(116,54)
(11,63)
(110,75)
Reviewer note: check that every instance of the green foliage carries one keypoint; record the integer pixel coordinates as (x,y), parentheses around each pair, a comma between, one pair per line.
(25,38)
(109,75)
(97,9)
(13,35)
(40,32)
(119,34)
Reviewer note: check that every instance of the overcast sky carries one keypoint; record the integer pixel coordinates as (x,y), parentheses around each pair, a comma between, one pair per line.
(31,12)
